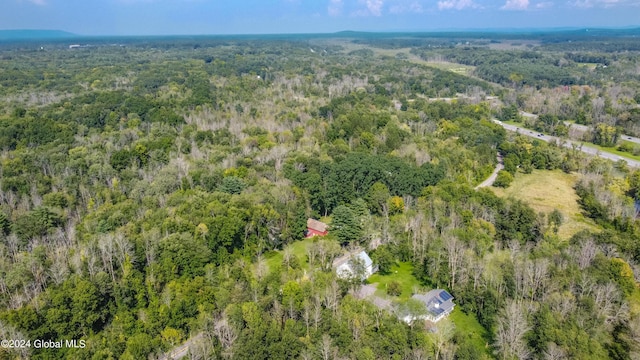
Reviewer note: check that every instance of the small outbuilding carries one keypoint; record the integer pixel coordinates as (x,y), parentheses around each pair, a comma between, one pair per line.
(316,228)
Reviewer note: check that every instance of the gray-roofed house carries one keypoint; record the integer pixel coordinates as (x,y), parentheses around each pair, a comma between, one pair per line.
(438,303)
(345,266)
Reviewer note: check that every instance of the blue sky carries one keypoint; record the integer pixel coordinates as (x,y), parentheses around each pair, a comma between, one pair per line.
(166,17)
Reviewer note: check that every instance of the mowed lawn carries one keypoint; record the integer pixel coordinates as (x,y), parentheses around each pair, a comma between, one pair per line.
(298,248)
(402,273)
(545,190)
(468,325)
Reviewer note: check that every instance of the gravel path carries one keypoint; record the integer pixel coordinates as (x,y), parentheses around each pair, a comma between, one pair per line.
(491,179)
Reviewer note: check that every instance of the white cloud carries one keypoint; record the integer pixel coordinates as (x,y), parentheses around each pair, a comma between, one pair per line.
(414,7)
(544,5)
(375,7)
(603,3)
(457,5)
(369,8)
(582,3)
(335,7)
(516,5)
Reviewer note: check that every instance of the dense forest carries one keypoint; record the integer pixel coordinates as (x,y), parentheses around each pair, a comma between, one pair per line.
(154,193)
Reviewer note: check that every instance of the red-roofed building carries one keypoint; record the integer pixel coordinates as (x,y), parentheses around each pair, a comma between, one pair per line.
(316,228)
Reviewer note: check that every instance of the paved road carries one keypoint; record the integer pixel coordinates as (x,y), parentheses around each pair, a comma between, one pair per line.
(584,128)
(491,179)
(568,144)
(630,138)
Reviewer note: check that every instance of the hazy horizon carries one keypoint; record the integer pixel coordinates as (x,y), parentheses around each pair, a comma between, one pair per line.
(208,17)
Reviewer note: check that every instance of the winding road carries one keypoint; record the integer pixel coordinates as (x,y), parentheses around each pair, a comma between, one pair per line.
(491,179)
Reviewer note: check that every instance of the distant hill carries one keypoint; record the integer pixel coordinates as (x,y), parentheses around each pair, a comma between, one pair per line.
(21,35)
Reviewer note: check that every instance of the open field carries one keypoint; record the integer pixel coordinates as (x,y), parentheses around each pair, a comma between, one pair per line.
(514,45)
(546,190)
(447,66)
(405,52)
(590,66)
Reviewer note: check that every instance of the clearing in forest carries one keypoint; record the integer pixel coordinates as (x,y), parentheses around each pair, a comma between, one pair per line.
(545,190)
(298,249)
(402,273)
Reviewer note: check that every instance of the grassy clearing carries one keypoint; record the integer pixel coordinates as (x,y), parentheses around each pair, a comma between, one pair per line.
(468,325)
(546,190)
(406,52)
(590,66)
(449,66)
(298,248)
(403,274)
(514,45)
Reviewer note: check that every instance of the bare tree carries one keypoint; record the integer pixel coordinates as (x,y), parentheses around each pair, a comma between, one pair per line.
(634,336)
(92,261)
(586,254)
(39,274)
(312,252)
(306,314)
(226,334)
(477,269)
(531,277)
(106,247)
(332,296)
(123,250)
(151,238)
(262,267)
(8,332)
(326,350)
(287,255)
(562,303)
(455,252)
(13,245)
(413,228)
(554,352)
(512,327)
(200,348)
(417,354)
(317,310)
(608,303)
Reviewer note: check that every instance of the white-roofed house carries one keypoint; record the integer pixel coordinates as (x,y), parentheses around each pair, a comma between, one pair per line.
(353,264)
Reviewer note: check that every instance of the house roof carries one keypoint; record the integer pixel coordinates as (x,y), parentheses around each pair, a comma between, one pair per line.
(437,301)
(362,255)
(316,225)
